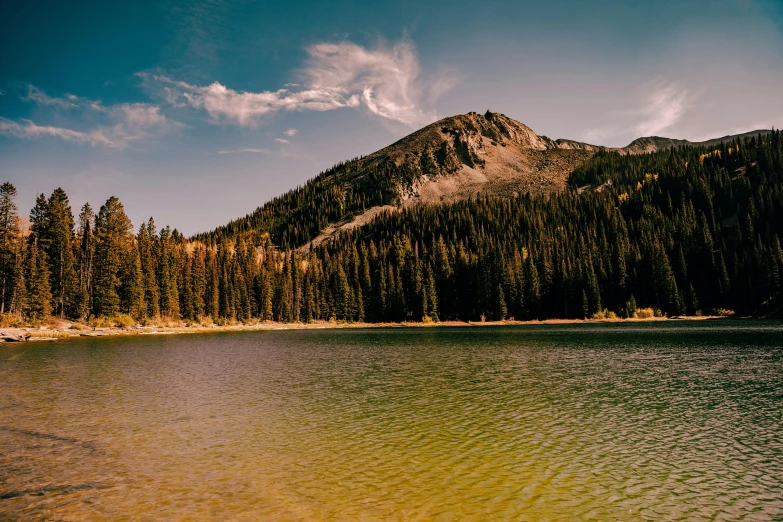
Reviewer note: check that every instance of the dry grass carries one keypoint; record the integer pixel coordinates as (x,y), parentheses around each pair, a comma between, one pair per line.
(182,328)
(646,313)
(49,333)
(115,321)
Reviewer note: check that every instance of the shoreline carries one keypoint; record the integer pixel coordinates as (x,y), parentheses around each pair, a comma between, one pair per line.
(33,334)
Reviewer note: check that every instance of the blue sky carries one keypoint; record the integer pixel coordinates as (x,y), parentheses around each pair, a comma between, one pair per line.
(197,112)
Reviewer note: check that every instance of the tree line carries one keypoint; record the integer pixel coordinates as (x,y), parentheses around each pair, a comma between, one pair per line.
(684,231)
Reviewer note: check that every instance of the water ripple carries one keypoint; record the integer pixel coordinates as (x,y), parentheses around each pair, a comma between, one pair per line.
(628,422)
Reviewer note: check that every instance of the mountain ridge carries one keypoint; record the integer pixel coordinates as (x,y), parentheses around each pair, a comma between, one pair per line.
(656,143)
(449,160)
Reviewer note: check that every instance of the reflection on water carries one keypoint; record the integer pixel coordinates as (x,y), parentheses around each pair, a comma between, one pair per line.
(599,422)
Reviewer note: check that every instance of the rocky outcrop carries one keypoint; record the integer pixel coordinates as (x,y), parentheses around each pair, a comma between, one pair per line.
(13,335)
(473,153)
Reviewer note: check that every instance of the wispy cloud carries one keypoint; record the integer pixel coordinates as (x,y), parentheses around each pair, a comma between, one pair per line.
(665,107)
(385,81)
(69,101)
(29,130)
(118,125)
(246,108)
(281,140)
(661,105)
(138,115)
(291,132)
(240,151)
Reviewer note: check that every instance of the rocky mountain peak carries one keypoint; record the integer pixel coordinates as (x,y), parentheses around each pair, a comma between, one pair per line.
(471,153)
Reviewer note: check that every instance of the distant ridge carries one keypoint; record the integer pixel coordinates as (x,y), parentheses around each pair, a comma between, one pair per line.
(656,143)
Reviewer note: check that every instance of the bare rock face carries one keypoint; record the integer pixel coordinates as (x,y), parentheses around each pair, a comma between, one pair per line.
(13,335)
(653,144)
(472,154)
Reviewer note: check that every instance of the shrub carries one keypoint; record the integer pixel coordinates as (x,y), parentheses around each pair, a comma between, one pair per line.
(124,320)
(604,314)
(9,321)
(119,320)
(644,313)
(56,322)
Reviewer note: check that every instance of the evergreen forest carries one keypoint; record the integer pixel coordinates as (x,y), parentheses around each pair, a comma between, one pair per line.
(689,230)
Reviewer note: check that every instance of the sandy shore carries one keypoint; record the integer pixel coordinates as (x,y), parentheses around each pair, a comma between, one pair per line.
(69,330)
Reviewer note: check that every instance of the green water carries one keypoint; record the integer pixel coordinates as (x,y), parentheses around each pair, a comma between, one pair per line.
(607,422)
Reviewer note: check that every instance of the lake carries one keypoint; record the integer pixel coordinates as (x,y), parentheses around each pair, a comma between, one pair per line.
(645,421)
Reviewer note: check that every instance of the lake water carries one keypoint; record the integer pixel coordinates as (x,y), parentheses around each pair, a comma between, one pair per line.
(682,421)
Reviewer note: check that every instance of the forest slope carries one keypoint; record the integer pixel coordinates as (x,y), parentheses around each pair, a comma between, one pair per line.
(694,230)
(450,160)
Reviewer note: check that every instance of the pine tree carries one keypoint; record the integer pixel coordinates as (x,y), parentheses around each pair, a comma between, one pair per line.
(532,289)
(630,307)
(112,241)
(146,240)
(132,289)
(212,291)
(58,242)
(38,296)
(167,275)
(432,296)
(593,291)
(776,272)
(501,309)
(9,246)
(84,299)
(198,282)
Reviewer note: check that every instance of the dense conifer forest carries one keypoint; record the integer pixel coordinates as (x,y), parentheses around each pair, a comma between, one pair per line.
(682,231)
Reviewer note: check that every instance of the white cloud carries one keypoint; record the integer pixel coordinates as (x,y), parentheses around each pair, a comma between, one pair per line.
(291,132)
(29,130)
(138,114)
(245,108)
(595,136)
(661,105)
(665,107)
(281,140)
(441,83)
(385,81)
(69,101)
(237,151)
(118,125)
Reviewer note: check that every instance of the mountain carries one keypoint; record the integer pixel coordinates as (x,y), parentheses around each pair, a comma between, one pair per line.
(449,160)
(656,143)
(468,154)
(606,232)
